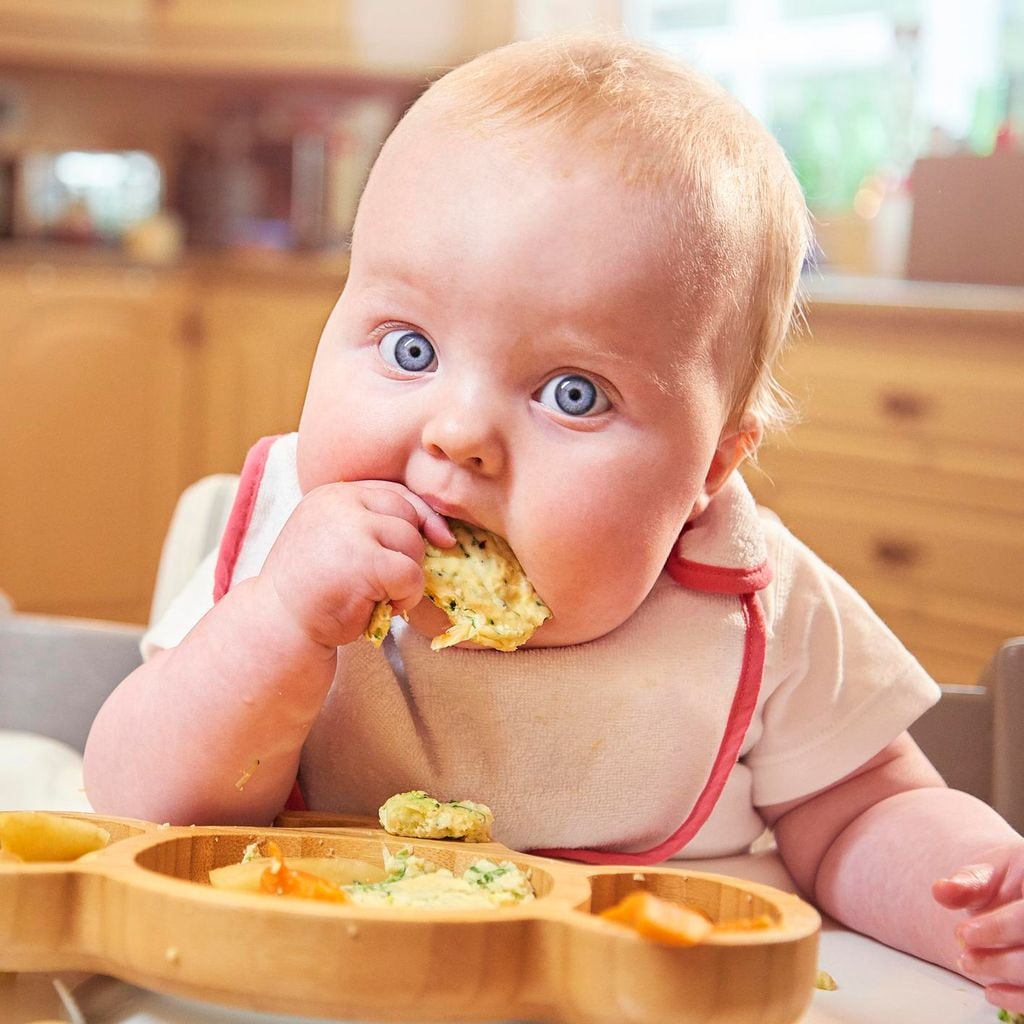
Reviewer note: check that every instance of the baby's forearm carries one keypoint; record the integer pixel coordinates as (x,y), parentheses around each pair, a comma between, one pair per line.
(877,875)
(180,738)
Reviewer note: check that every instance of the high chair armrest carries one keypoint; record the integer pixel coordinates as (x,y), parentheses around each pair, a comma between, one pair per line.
(973,735)
(956,736)
(1005,676)
(55,672)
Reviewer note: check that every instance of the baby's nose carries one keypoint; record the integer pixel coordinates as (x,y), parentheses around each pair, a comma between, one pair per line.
(465,437)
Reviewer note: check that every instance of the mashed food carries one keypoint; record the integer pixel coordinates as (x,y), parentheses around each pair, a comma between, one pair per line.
(481,587)
(415,882)
(406,880)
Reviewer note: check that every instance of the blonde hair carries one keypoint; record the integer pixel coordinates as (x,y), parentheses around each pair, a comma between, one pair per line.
(740,230)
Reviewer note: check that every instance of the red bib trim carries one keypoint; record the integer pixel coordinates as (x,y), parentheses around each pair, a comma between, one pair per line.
(241,515)
(717,579)
(743,704)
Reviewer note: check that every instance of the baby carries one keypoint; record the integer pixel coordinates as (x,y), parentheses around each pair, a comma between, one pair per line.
(573,267)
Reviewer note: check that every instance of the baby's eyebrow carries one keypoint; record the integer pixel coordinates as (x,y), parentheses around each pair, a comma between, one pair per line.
(584,349)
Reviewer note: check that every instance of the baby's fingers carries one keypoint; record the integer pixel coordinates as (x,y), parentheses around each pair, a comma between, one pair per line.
(998,929)
(993,966)
(394,499)
(399,577)
(1006,997)
(971,886)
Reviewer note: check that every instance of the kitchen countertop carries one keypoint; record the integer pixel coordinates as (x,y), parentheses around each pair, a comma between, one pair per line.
(998,310)
(850,291)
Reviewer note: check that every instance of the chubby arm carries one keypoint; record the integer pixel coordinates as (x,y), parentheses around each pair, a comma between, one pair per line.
(179,739)
(881,847)
(176,739)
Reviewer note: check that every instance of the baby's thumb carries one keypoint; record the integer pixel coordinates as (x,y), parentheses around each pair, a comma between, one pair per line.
(967,888)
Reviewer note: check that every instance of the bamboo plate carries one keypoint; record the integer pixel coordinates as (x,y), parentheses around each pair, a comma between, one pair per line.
(135,911)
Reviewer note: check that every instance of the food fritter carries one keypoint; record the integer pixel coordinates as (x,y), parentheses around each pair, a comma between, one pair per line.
(414,815)
(481,587)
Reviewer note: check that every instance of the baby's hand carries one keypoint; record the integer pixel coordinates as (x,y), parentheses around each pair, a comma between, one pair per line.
(346,547)
(992,892)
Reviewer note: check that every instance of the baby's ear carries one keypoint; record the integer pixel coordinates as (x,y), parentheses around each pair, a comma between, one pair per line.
(736,444)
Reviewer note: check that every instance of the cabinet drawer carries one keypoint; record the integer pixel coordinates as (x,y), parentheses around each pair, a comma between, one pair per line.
(870,536)
(949,474)
(945,580)
(45,13)
(321,37)
(953,639)
(49,27)
(259,17)
(926,394)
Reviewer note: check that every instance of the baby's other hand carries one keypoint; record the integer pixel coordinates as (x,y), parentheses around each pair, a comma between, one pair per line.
(991,890)
(346,547)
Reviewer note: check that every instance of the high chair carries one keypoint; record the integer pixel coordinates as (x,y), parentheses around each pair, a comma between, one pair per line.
(55,672)
(971,734)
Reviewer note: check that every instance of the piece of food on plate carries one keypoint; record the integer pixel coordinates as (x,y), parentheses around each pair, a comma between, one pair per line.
(279,879)
(414,881)
(407,881)
(481,587)
(339,871)
(414,815)
(660,920)
(42,836)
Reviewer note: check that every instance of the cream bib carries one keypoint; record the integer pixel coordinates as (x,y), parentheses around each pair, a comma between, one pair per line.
(610,751)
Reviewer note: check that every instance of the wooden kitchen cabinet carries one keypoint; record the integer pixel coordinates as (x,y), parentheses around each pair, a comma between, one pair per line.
(94,393)
(120,386)
(313,37)
(258,338)
(906,471)
(52,31)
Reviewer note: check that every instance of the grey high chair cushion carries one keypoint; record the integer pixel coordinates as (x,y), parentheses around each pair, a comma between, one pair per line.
(972,734)
(56,672)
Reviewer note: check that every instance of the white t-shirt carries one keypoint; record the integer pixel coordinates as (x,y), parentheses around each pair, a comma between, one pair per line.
(594,745)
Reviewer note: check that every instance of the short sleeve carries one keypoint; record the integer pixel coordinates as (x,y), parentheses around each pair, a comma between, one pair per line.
(840,685)
(194,601)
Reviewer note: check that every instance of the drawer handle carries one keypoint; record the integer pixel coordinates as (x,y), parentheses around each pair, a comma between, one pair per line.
(905,405)
(897,553)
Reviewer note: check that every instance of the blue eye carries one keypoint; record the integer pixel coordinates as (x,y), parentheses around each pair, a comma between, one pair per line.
(408,350)
(574,395)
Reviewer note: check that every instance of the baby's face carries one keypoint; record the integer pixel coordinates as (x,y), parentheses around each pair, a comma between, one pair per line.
(504,346)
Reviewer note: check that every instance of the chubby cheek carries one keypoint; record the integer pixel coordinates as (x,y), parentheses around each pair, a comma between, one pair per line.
(340,434)
(595,561)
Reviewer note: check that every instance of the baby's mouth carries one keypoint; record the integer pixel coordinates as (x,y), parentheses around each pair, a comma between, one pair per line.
(450,509)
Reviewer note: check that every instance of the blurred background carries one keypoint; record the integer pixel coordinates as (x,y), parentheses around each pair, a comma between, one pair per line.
(177,185)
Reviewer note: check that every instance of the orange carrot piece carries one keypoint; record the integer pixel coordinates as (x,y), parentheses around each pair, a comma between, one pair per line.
(281,880)
(660,920)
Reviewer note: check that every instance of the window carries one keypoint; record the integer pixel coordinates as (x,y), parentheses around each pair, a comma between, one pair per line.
(856,89)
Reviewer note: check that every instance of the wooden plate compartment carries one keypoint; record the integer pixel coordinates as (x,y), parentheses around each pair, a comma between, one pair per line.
(143,910)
